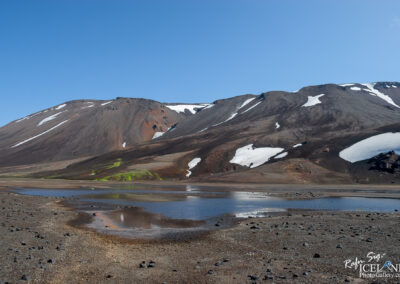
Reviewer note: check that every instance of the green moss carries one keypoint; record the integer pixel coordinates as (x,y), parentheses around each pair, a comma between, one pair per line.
(116,164)
(131,176)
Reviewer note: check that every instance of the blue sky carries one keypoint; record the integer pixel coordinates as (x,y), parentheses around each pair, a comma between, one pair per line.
(188,50)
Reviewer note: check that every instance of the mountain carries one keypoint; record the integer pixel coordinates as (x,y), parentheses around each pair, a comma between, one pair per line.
(84,128)
(319,134)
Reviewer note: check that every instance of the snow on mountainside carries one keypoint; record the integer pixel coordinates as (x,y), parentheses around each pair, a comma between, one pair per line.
(320,133)
(371,147)
(83,128)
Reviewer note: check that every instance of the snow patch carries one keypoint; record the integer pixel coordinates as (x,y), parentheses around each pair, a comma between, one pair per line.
(280,156)
(157,134)
(193,163)
(371,147)
(252,107)
(60,106)
(297,145)
(106,103)
(43,133)
(246,102)
(379,94)
(209,106)
(355,88)
(346,85)
(253,157)
(51,117)
(124,145)
(312,101)
(394,86)
(277,125)
(183,108)
(231,117)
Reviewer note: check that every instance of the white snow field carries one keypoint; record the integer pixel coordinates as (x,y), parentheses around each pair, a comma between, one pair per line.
(375,92)
(157,134)
(193,163)
(182,108)
(253,157)
(313,100)
(43,133)
(246,102)
(252,107)
(280,156)
(51,117)
(355,88)
(371,147)
(61,106)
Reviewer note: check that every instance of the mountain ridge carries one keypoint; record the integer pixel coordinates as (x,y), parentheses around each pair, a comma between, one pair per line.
(321,120)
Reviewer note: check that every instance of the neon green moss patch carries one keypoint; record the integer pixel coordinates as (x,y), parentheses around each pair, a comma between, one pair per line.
(116,164)
(131,176)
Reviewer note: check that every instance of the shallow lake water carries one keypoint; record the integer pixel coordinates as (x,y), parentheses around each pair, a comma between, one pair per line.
(201,203)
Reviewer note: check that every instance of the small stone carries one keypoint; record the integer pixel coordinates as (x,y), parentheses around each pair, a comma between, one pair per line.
(339,246)
(252,277)
(142,264)
(305,244)
(25,277)
(295,275)
(305,273)
(51,261)
(109,276)
(211,272)
(151,264)
(254,227)
(316,255)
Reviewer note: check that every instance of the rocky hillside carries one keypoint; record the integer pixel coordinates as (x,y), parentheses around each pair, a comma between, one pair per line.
(319,134)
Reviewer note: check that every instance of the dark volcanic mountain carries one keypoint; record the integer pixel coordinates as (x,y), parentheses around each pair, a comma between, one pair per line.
(319,134)
(83,128)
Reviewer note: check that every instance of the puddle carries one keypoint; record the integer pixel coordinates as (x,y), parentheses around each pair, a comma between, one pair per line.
(148,211)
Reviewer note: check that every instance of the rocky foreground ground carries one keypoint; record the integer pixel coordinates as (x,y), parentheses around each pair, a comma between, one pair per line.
(38,245)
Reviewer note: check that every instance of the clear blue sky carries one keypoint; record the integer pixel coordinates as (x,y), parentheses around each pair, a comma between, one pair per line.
(188,50)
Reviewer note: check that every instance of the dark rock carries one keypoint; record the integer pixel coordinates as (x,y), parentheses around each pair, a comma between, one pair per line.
(109,276)
(151,264)
(211,272)
(52,261)
(252,277)
(316,255)
(142,264)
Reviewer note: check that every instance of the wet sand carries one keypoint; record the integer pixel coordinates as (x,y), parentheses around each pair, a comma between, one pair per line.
(41,242)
